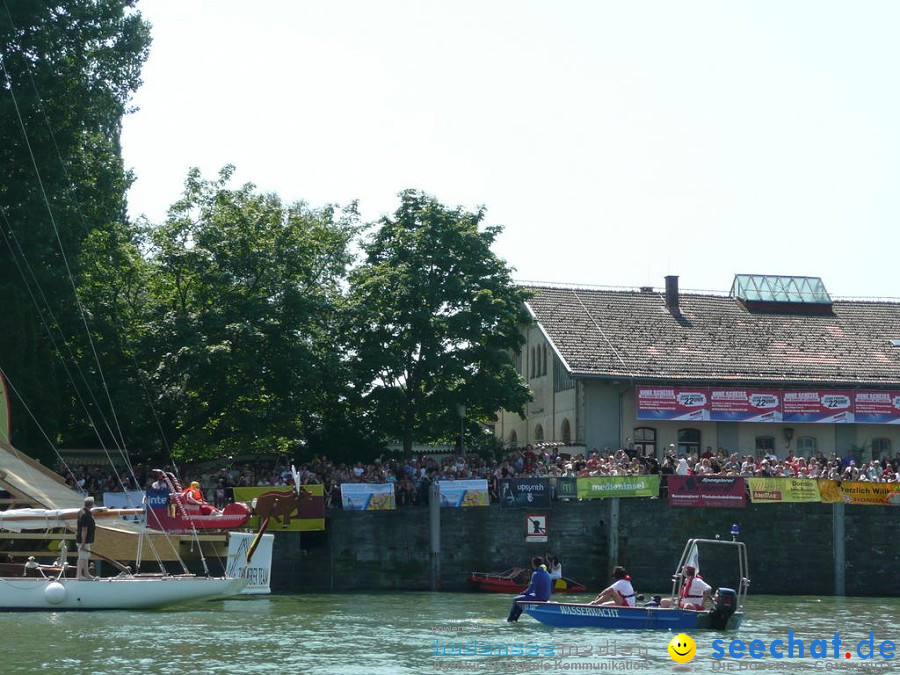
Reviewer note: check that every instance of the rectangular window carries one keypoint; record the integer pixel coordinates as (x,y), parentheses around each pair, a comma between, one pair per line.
(806,446)
(561,378)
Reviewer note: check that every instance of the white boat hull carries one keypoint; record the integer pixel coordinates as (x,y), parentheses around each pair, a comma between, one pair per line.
(38,594)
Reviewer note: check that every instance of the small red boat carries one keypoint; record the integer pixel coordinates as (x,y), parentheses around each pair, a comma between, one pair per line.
(168,510)
(516,580)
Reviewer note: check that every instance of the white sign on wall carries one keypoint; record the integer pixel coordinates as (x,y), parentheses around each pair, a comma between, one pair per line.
(535,529)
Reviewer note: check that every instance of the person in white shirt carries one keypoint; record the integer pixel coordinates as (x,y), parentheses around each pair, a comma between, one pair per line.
(619,594)
(553,566)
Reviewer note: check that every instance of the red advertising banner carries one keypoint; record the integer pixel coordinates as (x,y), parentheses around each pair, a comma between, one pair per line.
(672,403)
(745,405)
(712,491)
(825,407)
(876,407)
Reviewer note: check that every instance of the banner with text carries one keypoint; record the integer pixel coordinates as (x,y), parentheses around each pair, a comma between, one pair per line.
(518,493)
(859,492)
(672,403)
(820,407)
(776,490)
(460,493)
(284,510)
(566,487)
(712,491)
(811,406)
(259,569)
(368,496)
(127,500)
(744,405)
(600,487)
(876,407)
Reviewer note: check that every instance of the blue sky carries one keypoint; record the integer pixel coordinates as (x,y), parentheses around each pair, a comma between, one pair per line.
(616,142)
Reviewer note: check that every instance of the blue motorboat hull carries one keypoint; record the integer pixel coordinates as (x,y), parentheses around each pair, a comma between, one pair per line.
(581,615)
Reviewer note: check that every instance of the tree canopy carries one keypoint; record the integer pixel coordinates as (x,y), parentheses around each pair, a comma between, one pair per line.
(67,71)
(241,324)
(436,319)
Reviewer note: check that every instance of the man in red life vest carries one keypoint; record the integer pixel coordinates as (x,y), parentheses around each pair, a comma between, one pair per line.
(694,592)
(193,495)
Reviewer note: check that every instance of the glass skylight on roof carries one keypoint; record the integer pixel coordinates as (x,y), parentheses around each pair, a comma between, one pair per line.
(764,288)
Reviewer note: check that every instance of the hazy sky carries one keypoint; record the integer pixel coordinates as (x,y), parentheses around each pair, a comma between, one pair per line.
(616,142)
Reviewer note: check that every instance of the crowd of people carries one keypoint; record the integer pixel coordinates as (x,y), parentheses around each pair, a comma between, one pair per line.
(413,477)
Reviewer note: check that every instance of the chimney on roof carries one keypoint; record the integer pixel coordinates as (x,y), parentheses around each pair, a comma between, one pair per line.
(672,294)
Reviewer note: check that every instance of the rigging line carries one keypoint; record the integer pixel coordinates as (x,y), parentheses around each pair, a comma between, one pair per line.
(58,351)
(62,249)
(84,228)
(10,384)
(49,330)
(605,337)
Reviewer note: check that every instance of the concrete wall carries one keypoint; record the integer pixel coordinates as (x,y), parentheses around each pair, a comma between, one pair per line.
(790,547)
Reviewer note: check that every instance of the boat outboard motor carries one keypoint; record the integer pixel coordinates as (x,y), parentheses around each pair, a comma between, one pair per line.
(725,605)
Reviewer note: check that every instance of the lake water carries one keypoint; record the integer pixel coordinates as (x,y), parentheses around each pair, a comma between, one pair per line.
(400,633)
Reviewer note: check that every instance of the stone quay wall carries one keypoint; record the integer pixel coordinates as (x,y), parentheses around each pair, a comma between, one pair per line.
(792,547)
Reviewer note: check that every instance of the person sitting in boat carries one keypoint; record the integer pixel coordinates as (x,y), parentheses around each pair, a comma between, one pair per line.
(619,594)
(540,588)
(193,495)
(694,592)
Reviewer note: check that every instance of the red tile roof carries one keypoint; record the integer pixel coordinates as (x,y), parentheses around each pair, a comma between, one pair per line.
(632,335)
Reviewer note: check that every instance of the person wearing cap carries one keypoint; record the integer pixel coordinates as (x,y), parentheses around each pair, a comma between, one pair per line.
(84,536)
(540,588)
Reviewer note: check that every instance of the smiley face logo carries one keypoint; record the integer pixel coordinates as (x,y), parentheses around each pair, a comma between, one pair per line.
(682,648)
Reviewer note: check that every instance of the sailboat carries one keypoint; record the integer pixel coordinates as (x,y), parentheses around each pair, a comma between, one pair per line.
(33,586)
(52,505)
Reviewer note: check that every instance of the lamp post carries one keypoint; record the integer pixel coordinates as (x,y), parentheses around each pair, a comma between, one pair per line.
(461,411)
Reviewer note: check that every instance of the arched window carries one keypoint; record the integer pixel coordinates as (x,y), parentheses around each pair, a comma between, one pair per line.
(566,432)
(689,442)
(539,433)
(645,440)
(514,440)
(881,447)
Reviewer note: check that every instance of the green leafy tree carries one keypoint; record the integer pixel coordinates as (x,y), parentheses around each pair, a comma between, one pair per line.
(247,303)
(67,71)
(436,320)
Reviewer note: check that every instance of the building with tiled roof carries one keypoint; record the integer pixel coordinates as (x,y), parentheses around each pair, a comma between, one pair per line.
(596,358)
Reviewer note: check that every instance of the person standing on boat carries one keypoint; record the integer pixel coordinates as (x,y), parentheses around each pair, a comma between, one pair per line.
(540,588)
(84,537)
(619,594)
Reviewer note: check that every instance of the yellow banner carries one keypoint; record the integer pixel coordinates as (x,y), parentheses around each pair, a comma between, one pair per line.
(859,492)
(774,490)
(283,513)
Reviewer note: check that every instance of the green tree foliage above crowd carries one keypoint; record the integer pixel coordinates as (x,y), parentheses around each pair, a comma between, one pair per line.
(67,71)
(240,324)
(436,319)
(247,294)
